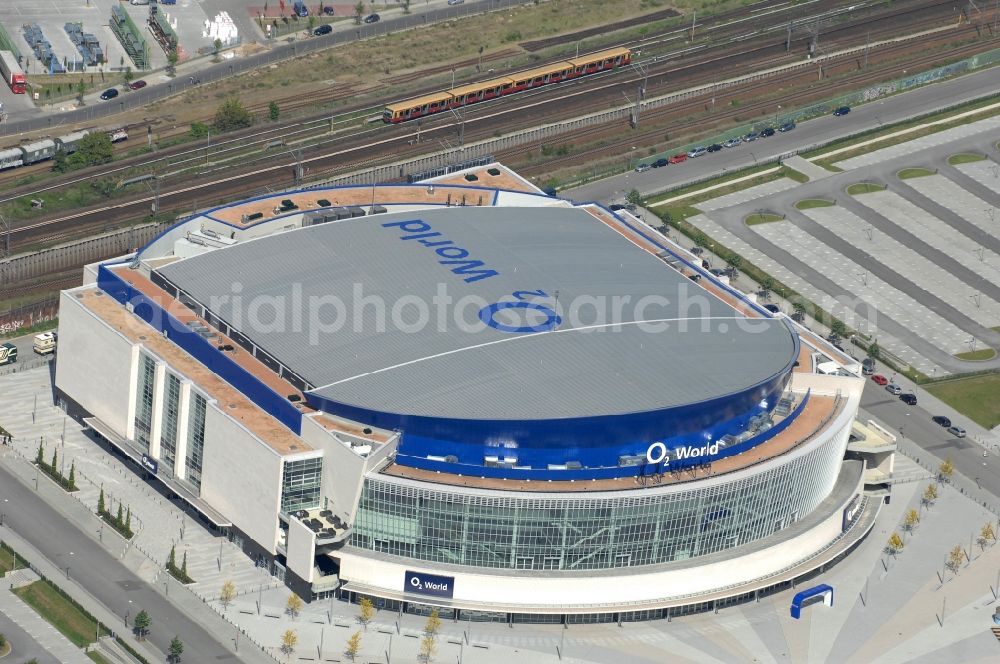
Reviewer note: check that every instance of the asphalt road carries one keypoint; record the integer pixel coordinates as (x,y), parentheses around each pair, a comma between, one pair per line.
(914,423)
(23,647)
(820,130)
(96,109)
(104,577)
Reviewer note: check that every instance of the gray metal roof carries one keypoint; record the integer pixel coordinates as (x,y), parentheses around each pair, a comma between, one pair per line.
(581,368)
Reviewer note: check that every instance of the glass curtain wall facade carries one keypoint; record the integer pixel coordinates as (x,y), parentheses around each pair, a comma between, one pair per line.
(168,430)
(300,484)
(196,439)
(575,532)
(144,401)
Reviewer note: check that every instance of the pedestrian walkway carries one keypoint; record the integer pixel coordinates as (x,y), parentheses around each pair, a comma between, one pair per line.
(158,523)
(39,629)
(917,144)
(807,168)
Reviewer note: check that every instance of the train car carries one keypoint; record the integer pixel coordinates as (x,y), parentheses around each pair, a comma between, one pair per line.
(497,87)
(11,158)
(118,135)
(39,151)
(416,108)
(69,142)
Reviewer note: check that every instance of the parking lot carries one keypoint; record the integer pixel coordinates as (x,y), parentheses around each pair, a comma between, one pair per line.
(915,266)
(52,15)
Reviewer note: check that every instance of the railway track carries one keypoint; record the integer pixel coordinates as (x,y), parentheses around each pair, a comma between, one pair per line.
(349,156)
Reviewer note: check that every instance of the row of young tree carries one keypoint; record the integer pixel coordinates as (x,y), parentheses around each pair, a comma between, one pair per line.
(141,625)
(53,470)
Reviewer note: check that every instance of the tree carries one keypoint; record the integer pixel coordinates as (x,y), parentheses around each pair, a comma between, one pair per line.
(428,648)
(141,624)
(71,482)
(55,459)
(874,351)
(987,532)
(227,594)
(294,605)
(837,328)
(172,58)
(217,45)
(955,557)
(930,495)
(911,520)
(93,149)
(128,75)
(288,641)
(634,197)
(128,520)
(359,10)
(119,515)
(312,22)
(81,88)
(101,507)
(272,111)
(40,458)
(172,558)
(946,470)
(367,611)
(433,623)
(175,651)
(354,645)
(184,566)
(735,262)
(232,115)
(895,544)
(798,311)
(766,286)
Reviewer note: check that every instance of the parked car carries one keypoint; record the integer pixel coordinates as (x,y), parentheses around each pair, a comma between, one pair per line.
(323,30)
(909,399)
(455,2)
(956,431)
(788,126)
(751,137)
(678,158)
(766,131)
(868,366)
(773,308)
(110,93)
(892,388)
(942,420)
(697,251)
(697,152)
(732,143)
(642,168)
(880,379)
(714,147)
(328,10)
(843,110)
(622,206)
(137,85)
(661,162)
(372,18)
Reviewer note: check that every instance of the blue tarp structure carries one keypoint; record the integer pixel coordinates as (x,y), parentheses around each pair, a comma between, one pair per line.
(800,598)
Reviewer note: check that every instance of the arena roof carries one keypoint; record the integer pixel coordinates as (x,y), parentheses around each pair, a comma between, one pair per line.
(581,367)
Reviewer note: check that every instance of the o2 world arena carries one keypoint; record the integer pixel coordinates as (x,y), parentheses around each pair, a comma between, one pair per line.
(464,393)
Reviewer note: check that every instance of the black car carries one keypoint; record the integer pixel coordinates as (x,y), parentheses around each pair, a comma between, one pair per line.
(110,93)
(328,11)
(372,18)
(697,251)
(622,206)
(773,308)
(788,126)
(767,131)
(322,30)
(942,420)
(843,110)
(714,147)
(660,163)
(909,399)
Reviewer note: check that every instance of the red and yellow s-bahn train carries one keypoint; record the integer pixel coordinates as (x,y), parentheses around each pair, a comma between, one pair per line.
(411,109)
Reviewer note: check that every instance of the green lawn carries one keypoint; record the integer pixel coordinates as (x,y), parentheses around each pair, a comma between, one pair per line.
(793,174)
(6,561)
(975,397)
(762,218)
(981,354)
(908,173)
(864,188)
(98,657)
(810,203)
(56,609)
(964,158)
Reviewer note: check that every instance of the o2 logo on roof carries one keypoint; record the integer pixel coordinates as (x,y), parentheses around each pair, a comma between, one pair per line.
(523,304)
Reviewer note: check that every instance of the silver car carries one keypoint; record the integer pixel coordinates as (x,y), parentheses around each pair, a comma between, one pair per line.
(892,388)
(957,431)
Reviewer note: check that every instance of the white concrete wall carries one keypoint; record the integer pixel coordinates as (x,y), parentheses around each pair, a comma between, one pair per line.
(241,477)
(513,592)
(94,366)
(301,550)
(343,470)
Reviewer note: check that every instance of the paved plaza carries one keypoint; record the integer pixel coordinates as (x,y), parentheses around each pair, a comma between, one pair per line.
(916,266)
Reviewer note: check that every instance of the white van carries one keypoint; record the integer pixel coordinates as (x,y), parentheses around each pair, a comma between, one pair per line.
(139,2)
(44,343)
